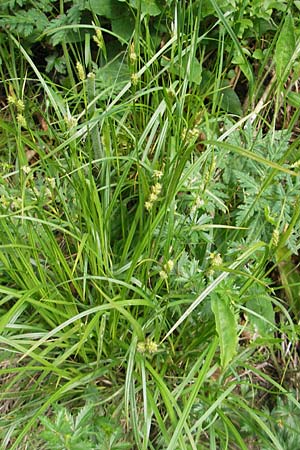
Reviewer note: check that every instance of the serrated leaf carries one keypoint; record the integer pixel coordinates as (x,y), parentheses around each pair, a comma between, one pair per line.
(226,327)
(25,23)
(61,32)
(285,47)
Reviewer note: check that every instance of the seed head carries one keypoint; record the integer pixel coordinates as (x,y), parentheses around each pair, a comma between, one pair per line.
(20,105)
(132,54)
(21,120)
(216,259)
(80,71)
(275,238)
(134,79)
(99,39)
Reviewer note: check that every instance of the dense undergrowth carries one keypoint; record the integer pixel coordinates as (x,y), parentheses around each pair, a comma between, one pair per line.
(149,227)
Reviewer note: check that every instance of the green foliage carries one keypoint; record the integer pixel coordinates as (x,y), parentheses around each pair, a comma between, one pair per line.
(25,18)
(26,22)
(149,224)
(283,420)
(261,210)
(285,48)
(260,313)
(286,421)
(29,19)
(226,325)
(63,28)
(86,429)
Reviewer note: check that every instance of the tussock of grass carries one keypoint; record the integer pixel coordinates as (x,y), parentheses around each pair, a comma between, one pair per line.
(148,268)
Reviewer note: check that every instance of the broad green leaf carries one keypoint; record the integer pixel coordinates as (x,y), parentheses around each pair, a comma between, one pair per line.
(263,316)
(113,74)
(122,20)
(293,99)
(208,9)
(240,51)
(245,24)
(279,6)
(194,74)
(289,276)
(111,9)
(123,26)
(285,47)
(258,54)
(147,7)
(240,60)
(230,101)
(225,326)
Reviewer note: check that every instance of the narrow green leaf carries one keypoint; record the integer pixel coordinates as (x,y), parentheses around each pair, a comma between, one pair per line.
(197,385)
(285,47)
(225,326)
(239,53)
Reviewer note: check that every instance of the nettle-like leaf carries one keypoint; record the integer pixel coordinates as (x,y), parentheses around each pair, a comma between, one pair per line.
(226,325)
(187,269)
(276,142)
(285,422)
(211,199)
